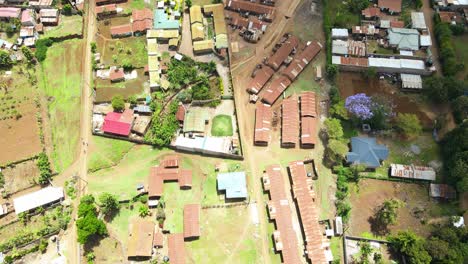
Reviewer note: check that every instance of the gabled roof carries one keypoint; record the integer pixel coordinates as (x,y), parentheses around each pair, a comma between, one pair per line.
(140,242)
(262,76)
(234,183)
(404,38)
(282,53)
(105,8)
(366,151)
(196,14)
(176,248)
(308,104)
(38,198)
(121,30)
(418,21)
(263,116)
(275,89)
(10,12)
(191,221)
(302,60)
(391,5)
(371,12)
(118,123)
(290,121)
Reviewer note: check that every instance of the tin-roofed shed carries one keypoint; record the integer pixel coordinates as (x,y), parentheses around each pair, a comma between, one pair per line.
(234,184)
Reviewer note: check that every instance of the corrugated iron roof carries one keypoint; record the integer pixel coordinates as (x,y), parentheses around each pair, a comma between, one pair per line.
(140,241)
(391,5)
(308,130)
(245,6)
(371,12)
(118,123)
(121,30)
(308,104)
(196,14)
(191,221)
(282,53)
(263,116)
(302,60)
(262,76)
(290,121)
(275,89)
(176,248)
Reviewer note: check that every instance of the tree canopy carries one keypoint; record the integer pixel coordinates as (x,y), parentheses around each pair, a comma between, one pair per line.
(108,203)
(118,103)
(333,128)
(88,224)
(410,245)
(408,124)
(388,212)
(5,60)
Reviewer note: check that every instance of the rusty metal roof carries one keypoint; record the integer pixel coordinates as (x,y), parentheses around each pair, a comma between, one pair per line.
(283,52)
(191,220)
(279,210)
(176,248)
(308,130)
(263,116)
(171,161)
(262,76)
(290,121)
(275,89)
(302,60)
(305,199)
(308,104)
(140,242)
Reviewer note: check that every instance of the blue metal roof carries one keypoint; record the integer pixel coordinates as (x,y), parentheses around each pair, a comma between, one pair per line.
(161,20)
(142,109)
(366,151)
(234,183)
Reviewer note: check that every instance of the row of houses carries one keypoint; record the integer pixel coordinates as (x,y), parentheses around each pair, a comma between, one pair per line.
(35,4)
(295,66)
(201,44)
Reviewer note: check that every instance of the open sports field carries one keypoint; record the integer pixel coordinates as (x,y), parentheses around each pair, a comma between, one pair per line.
(18,123)
(221,126)
(60,79)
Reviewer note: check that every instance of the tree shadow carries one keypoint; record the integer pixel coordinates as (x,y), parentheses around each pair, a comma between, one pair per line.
(377,228)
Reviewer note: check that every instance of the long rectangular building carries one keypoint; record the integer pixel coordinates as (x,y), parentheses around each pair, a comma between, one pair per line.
(412,172)
(266,13)
(302,60)
(191,221)
(263,115)
(43,197)
(275,89)
(317,247)
(278,58)
(289,122)
(176,248)
(279,210)
(308,119)
(262,76)
(140,241)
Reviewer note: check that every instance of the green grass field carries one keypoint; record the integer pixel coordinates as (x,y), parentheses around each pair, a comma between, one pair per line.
(106,152)
(68,25)
(222,126)
(128,50)
(461,50)
(60,79)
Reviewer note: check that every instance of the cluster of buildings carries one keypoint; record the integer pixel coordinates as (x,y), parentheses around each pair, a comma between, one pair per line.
(131,123)
(251,18)
(202,42)
(294,66)
(32,23)
(382,27)
(163,23)
(317,246)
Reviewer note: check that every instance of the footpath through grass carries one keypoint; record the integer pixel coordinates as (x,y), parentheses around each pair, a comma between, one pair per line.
(222,126)
(60,78)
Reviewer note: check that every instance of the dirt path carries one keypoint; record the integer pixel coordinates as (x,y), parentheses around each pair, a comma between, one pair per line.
(428,16)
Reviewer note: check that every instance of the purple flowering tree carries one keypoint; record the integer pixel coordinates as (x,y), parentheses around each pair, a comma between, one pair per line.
(360,105)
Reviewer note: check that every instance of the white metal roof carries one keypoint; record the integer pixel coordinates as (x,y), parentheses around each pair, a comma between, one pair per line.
(37,199)
(339,33)
(406,53)
(411,81)
(397,63)
(412,64)
(336,60)
(340,47)
(385,23)
(418,21)
(425,40)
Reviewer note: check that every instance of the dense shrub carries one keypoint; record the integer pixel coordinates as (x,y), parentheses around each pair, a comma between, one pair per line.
(42,45)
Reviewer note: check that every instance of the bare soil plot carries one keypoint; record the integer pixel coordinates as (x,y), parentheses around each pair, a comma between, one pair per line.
(419,208)
(18,123)
(107,250)
(352,83)
(21,176)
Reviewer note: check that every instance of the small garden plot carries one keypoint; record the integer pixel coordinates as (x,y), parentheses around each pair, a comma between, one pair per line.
(126,52)
(68,26)
(222,126)
(416,214)
(461,50)
(362,251)
(21,176)
(18,123)
(108,250)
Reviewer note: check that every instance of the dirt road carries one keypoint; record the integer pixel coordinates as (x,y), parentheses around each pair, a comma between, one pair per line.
(428,16)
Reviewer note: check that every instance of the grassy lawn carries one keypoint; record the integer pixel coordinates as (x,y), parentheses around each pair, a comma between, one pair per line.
(237,244)
(123,178)
(123,51)
(59,77)
(69,25)
(221,126)
(106,152)
(336,245)
(461,49)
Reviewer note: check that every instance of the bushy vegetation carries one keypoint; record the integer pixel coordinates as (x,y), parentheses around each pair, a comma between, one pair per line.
(118,103)
(88,225)
(5,60)
(455,152)
(444,35)
(163,126)
(45,172)
(387,213)
(345,175)
(408,124)
(108,204)
(42,45)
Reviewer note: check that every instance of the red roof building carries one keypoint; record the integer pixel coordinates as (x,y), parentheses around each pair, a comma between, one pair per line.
(180,115)
(304,195)
(282,53)
(118,123)
(27,18)
(238,21)
(308,120)
(290,122)
(171,161)
(279,210)
(371,12)
(275,89)
(397,24)
(392,6)
(267,12)
(106,9)
(176,248)
(121,31)
(158,239)
(262,76)
(116,74)
(142,20)
(168,170)
(191,221)
(263,116)
(302,60)
(10,12)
